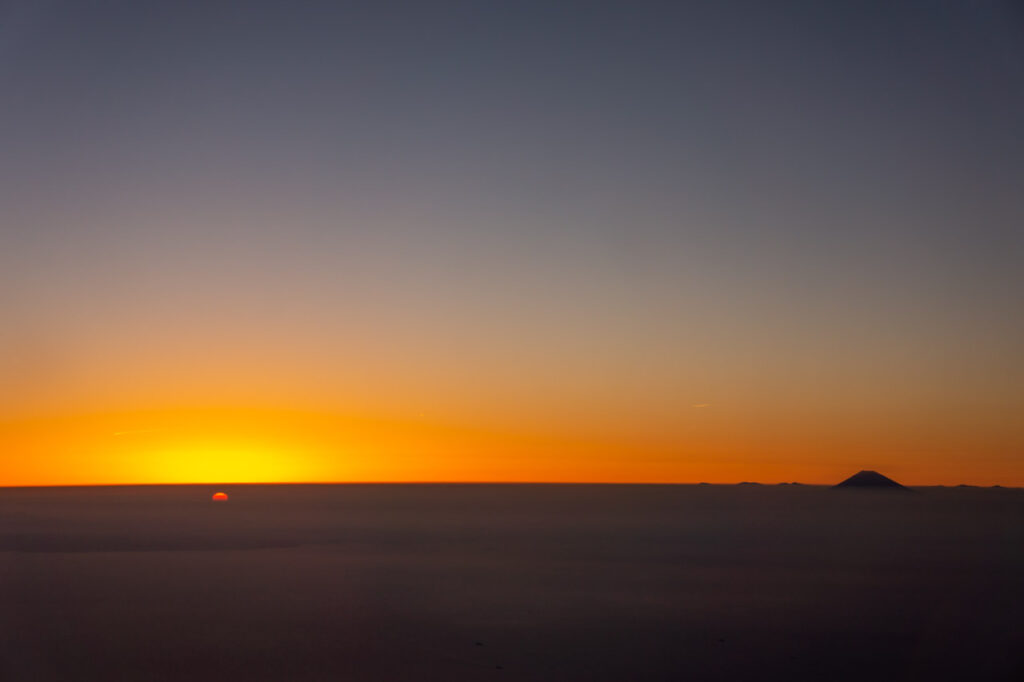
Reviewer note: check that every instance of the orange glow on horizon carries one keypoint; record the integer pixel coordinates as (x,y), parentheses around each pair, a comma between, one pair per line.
(282,446)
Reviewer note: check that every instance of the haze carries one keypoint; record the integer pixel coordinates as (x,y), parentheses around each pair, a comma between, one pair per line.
(530,241)
(545,583)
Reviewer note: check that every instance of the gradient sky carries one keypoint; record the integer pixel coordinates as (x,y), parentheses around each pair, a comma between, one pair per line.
(633,241)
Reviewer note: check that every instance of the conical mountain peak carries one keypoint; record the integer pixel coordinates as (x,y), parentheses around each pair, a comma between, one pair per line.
(869,479)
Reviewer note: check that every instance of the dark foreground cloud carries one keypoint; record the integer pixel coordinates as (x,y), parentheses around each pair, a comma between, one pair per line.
(381,583)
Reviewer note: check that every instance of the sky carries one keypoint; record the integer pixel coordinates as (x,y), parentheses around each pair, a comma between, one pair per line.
(511,241)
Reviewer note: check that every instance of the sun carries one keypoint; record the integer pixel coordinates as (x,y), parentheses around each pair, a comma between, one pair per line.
(220,497)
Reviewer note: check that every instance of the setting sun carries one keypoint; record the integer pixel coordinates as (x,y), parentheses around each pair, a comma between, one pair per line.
(529,340)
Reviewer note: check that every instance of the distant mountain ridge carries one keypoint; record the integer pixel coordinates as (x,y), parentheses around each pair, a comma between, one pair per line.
(870,479)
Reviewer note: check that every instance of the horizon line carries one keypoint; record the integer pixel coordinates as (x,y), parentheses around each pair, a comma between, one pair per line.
(482,482)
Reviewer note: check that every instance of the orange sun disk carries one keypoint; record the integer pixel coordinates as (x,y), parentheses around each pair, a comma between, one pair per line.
(220,497)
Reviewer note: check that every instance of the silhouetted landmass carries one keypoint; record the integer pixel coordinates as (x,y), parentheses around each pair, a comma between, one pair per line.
(461,583)
(870,479)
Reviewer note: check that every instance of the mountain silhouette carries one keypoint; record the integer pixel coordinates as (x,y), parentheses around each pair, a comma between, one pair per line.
(870,479)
